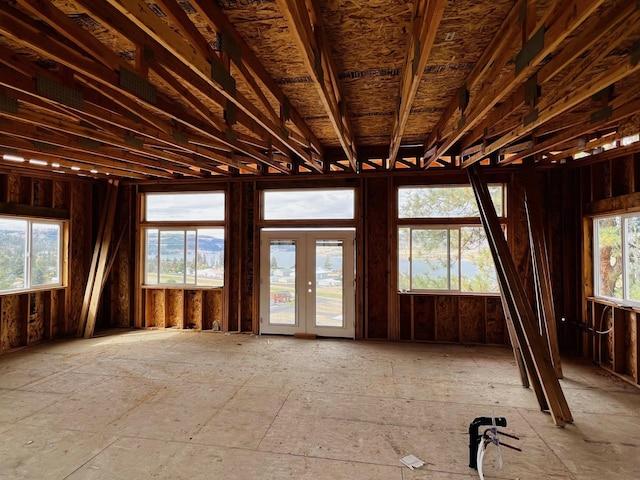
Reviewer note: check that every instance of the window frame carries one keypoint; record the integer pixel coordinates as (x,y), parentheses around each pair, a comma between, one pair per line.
(29,251)
(624,275)
(185,226)
(442,223)
(340,221)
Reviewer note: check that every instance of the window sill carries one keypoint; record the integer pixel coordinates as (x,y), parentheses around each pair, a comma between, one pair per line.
(47,288)
(182,287)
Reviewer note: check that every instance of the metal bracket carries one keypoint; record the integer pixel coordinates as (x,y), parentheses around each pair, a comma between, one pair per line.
(532,90)
(180,137)
(531,117)
(89,143)
(223,78)
(148,55)
(463,97)
(602,114)
(231,48)
(285,109)
(44,146)
(8,104)
(530,50)
(58,92)
(230,113)
(231,135)
(605,93)
(141,88)
(133,141)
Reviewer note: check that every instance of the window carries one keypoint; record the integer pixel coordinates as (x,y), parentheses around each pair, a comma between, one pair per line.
(617,257)
(30,254)
(441,242)
(183,235)
(309,204)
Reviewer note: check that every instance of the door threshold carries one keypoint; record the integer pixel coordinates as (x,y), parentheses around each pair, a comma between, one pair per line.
(306,336)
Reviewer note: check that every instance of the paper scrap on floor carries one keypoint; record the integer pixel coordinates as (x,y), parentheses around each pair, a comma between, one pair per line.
(412,461)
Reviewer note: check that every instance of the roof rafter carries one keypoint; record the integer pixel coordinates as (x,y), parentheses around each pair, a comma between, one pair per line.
(307,28)
(549,110)
(205,68)
(614,27)
(24,30)
(577,130)
(212,12)
(426,19)
(558,22)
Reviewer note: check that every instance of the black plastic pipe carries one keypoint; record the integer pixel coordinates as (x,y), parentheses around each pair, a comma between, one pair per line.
(475,437)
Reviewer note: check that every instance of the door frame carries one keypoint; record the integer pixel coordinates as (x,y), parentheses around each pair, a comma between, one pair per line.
(306,239)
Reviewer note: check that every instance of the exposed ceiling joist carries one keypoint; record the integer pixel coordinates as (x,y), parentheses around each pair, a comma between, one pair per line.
(558,22)
(577,130)
(426,19)
(250,62)
(549,110)
(205,68)
(307,28)
(610,32)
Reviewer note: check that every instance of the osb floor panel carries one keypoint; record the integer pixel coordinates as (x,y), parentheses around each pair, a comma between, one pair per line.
(190,405)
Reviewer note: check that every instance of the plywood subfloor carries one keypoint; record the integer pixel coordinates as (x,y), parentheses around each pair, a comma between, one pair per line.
(190,405)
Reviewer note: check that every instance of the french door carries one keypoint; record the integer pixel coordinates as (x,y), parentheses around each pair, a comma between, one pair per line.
(307,282)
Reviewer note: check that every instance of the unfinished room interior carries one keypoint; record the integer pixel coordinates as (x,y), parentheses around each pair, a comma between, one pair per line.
(319,239)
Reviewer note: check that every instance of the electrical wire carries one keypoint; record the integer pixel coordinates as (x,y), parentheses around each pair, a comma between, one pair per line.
(603,332)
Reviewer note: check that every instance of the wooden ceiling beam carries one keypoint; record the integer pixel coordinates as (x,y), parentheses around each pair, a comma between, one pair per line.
(40,141)
(212,12)
(67,158)
(614,27)
(74,135)
(21,28)
(426,20)
(26,89)
(577,130)
(144,19)
(190,32)
(558,22)
(578,146)
(307,28)
(571,100)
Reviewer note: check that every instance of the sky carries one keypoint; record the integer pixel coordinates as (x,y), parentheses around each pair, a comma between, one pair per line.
(279,205)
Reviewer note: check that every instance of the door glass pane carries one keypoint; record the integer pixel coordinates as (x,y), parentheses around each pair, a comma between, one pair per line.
(282,282)
(329,291)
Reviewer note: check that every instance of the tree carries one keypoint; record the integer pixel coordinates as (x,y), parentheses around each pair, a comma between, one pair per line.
(438,253)
(610,248)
